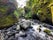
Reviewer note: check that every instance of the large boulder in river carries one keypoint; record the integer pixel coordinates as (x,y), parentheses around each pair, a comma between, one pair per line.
(24,24)
(7,10)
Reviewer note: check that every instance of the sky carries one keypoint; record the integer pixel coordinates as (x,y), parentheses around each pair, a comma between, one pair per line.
(21,3)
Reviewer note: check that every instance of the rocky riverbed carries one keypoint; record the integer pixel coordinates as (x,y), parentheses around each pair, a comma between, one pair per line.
(26,30)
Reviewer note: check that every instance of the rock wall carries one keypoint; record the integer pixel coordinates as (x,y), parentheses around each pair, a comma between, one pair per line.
(41,8)
(7,17)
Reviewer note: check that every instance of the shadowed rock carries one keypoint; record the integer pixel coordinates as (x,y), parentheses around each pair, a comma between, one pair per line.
(7,17)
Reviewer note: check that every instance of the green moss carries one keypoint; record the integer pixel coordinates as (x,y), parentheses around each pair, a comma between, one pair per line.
(7,21)
(41,9)
(16,13)
(47,31)
(5,18)
(3,9)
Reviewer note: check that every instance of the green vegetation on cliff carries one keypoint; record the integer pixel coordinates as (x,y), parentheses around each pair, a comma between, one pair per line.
(41,8)
(7,14)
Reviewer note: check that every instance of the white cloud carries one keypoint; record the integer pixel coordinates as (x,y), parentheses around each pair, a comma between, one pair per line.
(21,3)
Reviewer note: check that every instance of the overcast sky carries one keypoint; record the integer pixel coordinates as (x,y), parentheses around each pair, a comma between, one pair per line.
(21,3)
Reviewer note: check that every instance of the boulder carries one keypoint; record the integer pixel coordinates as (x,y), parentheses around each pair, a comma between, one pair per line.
(25,23)
(7,17)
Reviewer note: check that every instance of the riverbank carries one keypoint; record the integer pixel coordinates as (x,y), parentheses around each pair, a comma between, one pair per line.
(29,30)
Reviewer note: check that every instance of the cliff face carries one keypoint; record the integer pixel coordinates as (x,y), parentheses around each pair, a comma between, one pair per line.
(41,8)
(7,17)
(51,6)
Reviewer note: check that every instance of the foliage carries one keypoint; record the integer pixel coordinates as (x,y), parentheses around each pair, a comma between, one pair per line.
(40,8)
(28,12)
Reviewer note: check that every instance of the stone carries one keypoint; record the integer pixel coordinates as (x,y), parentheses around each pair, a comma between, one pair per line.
(25,24)
(12,33)
(21,33)
(7,16)
(11,38)
(1,36)
(18,27)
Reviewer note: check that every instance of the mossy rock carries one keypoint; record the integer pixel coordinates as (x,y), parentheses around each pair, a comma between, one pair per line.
(47,31)
(7,16)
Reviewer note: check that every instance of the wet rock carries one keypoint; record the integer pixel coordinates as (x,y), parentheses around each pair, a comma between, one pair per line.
(20,34)
(18,27)
(11,38)
(15,32)
(25,23)
(1,36)
(6,37)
